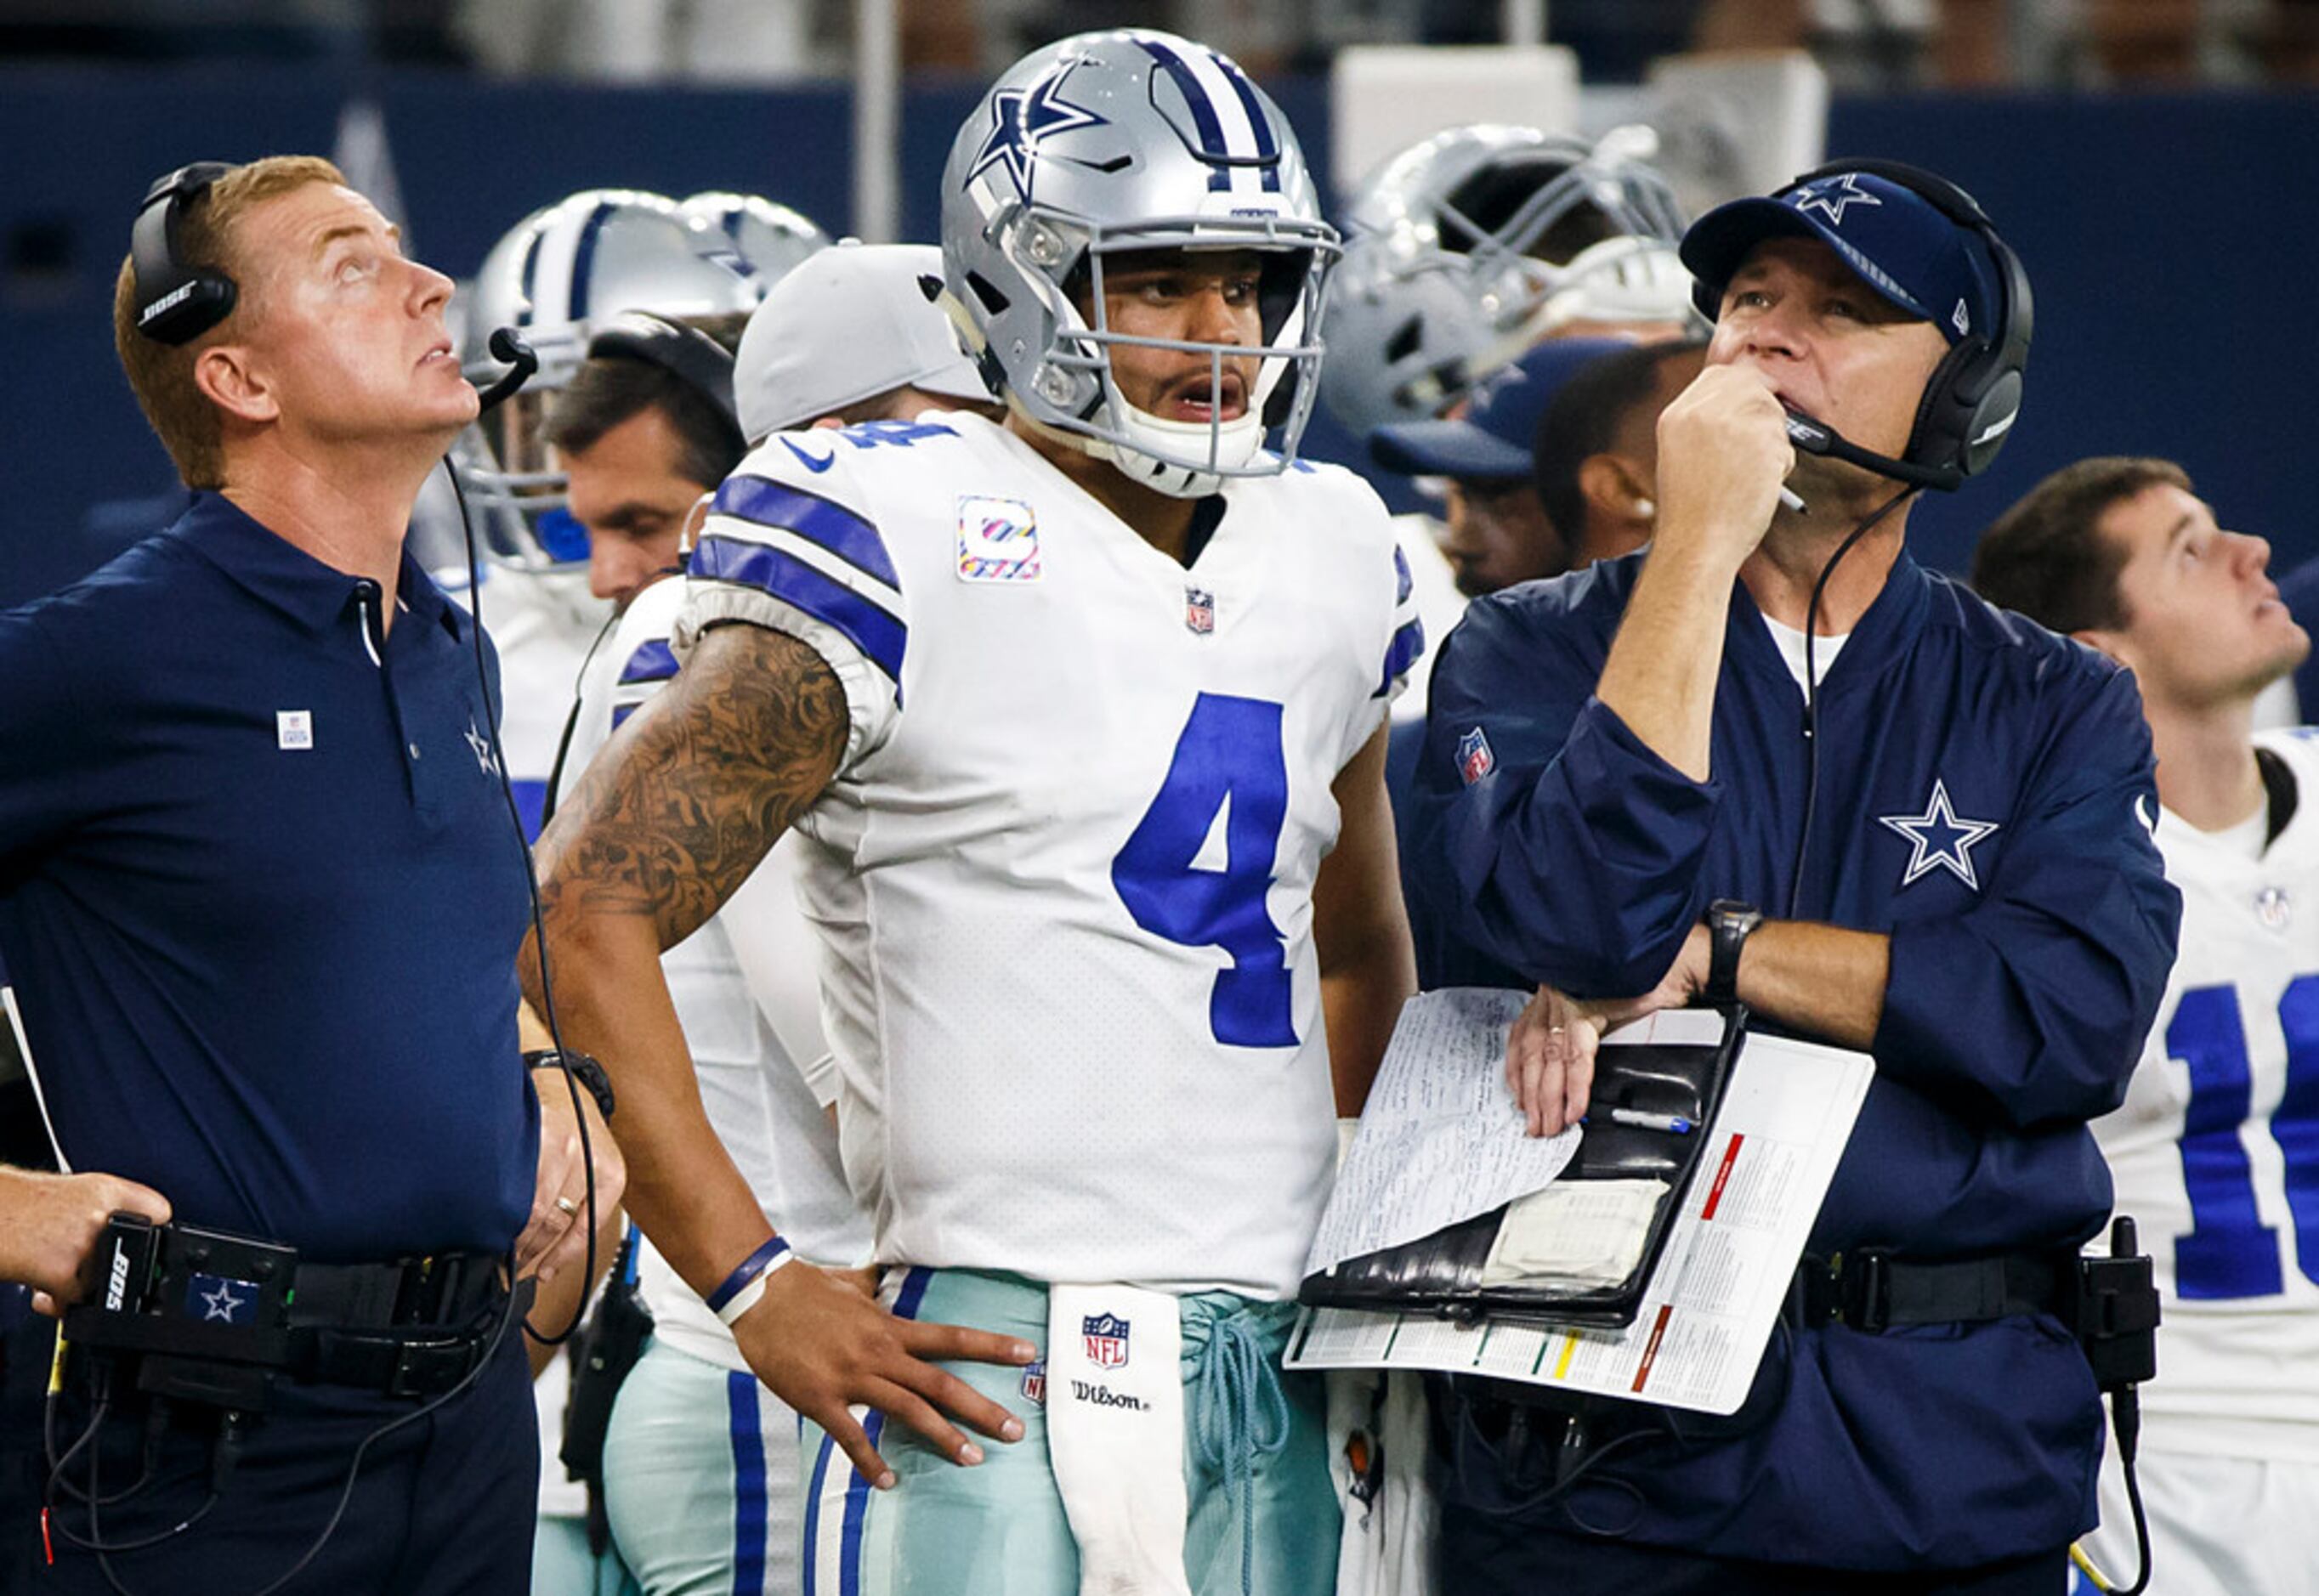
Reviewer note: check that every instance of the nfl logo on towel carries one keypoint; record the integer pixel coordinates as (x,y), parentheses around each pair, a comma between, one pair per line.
(997,540)
(1200,610)
(1106,1341)
(1474,759)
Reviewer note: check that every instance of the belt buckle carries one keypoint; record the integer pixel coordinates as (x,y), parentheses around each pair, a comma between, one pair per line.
(1864,1279)
(429,1369)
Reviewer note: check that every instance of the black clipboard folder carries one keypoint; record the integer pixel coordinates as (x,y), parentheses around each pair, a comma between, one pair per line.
(1442,1274)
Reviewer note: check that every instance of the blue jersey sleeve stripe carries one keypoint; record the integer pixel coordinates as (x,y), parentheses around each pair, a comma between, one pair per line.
(1403,581)
(1400,655)
(767,503)
(620,713)
(655,662)
(878,634)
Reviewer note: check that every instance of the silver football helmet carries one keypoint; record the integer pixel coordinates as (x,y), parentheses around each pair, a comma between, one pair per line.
(1470,246)
(1113,142)
(554,278)
(771,239)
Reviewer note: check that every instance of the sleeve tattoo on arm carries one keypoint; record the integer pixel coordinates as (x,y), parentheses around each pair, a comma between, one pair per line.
(691,794)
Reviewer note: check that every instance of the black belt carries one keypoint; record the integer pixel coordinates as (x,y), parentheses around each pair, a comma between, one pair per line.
(417,1326)
(1870,1290)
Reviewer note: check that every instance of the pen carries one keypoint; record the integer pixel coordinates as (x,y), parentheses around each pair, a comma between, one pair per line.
(1673,1124)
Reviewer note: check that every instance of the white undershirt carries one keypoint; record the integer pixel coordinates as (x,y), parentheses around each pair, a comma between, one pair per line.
(1791,643)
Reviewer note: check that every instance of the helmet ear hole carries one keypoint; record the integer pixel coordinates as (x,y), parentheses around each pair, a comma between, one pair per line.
(994,303)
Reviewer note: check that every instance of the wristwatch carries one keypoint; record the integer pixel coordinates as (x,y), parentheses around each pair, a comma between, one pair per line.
(1729,924)
(581,1068)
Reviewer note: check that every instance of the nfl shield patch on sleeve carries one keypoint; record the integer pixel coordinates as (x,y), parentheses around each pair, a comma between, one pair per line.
(1474,759)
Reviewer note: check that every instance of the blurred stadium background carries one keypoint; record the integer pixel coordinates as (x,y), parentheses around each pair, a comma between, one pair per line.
(2150,159)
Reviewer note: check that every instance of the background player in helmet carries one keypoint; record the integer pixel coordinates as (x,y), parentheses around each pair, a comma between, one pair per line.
(556,277)
(2207,1150)
(1068,712)
(1471,244)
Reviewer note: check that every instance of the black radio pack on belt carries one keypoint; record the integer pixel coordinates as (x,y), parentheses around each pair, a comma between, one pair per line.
(214,1318)
(207,1311)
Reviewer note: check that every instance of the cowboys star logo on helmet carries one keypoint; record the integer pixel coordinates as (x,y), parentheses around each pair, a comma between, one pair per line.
(1020,120)
(1115,144)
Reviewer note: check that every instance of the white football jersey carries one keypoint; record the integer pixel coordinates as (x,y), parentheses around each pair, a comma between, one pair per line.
(2215,1151)
(1064,875)
(743,989)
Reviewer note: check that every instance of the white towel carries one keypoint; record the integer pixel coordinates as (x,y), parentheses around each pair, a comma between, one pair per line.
(1115,1435)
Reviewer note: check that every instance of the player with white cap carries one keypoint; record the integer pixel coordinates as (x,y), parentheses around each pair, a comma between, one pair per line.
(700,1459)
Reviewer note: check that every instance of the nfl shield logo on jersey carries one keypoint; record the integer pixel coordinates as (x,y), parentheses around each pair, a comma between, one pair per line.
(1474,759)
(1035,1382)
(1200,610)
(997,540)
(1106,1341)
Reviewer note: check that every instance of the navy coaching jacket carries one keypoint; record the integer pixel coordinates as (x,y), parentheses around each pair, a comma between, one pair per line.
(1985,794)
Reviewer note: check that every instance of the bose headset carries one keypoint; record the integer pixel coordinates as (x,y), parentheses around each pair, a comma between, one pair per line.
(1973,395)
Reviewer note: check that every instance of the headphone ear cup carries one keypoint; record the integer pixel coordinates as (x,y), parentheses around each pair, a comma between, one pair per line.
(1992,422)
(1945,414)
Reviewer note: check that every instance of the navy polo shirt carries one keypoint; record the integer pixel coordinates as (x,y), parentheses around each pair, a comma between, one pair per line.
(261,897)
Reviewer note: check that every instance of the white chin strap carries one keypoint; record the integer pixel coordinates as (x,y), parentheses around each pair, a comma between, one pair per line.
(1153,452)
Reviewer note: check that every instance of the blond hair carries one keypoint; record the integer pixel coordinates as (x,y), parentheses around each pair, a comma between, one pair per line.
(161,374)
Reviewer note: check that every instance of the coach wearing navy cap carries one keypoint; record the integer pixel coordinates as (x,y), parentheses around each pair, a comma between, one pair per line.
(1772,758)
(260,892)
(1499,532)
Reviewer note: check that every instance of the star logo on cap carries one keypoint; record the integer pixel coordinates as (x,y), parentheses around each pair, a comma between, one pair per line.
(1834,196)
(1020,119)
(1939,838)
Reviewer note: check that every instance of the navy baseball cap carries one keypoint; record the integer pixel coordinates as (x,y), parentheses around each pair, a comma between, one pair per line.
(1492,440)
(1900,243)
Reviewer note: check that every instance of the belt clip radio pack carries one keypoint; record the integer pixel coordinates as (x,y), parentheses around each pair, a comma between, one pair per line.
(204,1314)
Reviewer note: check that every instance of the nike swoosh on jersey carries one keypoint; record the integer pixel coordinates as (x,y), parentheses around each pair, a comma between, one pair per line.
(809,462)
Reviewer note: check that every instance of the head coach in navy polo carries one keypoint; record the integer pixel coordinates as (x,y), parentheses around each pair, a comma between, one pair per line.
(260,894)
(1772,757)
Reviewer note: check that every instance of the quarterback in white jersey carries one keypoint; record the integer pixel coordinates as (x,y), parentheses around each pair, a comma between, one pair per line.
(2215,1150)
(1066,870)
(1082,718)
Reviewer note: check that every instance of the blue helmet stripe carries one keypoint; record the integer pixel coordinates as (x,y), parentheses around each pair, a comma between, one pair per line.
(583,260)
(1267,148)
(1203,112)
(527,280)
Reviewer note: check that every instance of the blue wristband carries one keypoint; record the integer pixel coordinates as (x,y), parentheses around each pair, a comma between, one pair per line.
(745,1284)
